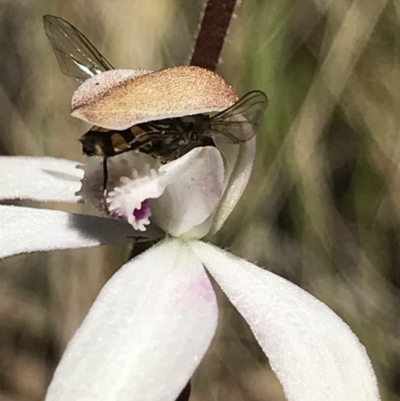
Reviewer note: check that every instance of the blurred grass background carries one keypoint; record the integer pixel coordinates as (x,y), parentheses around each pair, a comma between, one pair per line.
(323,206)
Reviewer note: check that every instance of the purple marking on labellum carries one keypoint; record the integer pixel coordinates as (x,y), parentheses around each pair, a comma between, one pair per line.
(143,212)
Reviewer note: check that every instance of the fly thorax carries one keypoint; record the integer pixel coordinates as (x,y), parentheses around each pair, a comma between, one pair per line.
(198,123)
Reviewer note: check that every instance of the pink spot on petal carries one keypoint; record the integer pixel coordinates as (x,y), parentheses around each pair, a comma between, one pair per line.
(192,294)
(204,289)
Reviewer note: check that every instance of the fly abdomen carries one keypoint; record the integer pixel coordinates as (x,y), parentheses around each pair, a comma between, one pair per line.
(99,142)
(168,138)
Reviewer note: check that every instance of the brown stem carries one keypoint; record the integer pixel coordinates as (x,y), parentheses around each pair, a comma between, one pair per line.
(213,29)
(185,394)
(140,247)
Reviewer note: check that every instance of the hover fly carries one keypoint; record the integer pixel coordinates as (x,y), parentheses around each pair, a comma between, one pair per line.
(166,139)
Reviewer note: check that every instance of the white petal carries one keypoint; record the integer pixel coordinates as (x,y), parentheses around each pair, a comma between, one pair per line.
(195,186)
(25,230)
(312,351)
(145,334)
(39,178)
(239,160)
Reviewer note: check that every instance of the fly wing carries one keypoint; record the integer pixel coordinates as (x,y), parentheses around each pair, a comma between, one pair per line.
(240,122)
(76,55)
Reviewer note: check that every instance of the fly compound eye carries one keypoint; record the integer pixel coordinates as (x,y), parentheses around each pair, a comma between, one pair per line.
(88,145)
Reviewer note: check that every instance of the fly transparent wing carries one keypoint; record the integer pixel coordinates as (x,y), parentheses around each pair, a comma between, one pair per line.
(76,55)
(240,122)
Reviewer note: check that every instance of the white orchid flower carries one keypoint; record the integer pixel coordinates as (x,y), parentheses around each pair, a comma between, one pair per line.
(155,318)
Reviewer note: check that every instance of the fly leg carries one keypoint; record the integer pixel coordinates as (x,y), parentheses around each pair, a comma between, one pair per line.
(105,181)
